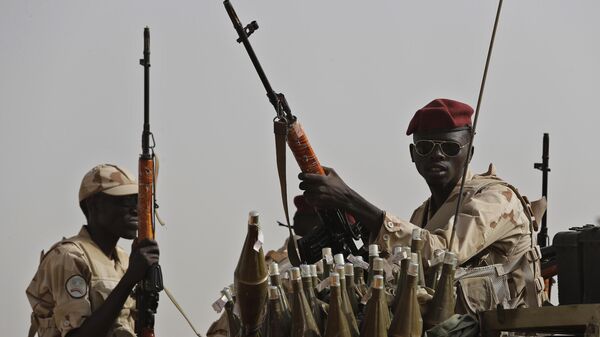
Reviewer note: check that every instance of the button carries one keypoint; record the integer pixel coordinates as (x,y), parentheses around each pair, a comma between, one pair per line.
(386,237)
(389,225)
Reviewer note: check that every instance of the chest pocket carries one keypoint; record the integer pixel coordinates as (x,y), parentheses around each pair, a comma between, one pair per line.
(103,282)
(481,288)
(100,288)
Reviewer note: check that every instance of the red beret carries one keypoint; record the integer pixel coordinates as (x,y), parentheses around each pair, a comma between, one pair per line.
(440,114)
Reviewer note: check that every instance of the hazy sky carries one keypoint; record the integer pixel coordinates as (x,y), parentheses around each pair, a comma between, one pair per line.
(353,71)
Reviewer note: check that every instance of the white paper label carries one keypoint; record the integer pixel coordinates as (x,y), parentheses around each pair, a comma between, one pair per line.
(219,304)
(358,263)
(259,241)
(329,259)
(436,260)
(399,257)
(323,285)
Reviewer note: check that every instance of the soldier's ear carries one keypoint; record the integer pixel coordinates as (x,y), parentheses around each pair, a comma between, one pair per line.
(89,207)
(411,149)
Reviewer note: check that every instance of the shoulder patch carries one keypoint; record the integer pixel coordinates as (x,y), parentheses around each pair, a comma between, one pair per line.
(76,286)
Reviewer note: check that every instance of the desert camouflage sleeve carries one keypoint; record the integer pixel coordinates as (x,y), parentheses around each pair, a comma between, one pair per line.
(59,291)
(494,214)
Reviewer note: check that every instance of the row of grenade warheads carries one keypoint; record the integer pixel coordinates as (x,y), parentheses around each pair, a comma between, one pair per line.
(334,298)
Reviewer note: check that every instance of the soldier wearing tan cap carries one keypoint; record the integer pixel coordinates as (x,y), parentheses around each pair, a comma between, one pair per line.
(495,225)
(83,284)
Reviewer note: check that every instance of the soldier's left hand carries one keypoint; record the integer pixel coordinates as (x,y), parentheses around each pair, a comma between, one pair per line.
(328,191)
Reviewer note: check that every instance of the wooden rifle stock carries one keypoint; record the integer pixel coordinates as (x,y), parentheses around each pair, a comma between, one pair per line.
(303,152)
(145,198)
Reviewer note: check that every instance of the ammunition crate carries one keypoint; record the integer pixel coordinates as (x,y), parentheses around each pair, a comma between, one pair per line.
(578,255)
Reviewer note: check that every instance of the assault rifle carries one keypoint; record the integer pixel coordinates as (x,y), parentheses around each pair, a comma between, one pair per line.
(146,292)
(337,229)
(549,261)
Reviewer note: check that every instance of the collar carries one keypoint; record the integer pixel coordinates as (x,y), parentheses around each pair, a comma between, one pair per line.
(84,233)
(428,214)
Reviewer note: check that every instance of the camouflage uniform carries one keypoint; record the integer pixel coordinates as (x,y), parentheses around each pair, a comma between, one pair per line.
(495,227)
(73,280)
(75,277)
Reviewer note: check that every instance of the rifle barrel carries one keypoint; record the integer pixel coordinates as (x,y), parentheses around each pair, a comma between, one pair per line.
(243,38)
(145,62)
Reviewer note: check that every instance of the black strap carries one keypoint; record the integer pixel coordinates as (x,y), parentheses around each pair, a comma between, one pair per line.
(280,129)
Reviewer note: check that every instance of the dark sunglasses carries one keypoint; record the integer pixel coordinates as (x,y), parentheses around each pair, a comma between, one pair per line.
(449,148)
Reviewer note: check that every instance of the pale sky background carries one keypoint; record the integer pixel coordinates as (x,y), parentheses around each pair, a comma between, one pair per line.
(353,71)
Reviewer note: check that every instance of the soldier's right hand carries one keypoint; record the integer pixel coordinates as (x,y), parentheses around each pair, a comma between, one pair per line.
(143,255)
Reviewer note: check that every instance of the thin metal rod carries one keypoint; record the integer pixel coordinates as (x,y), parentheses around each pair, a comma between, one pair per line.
(467,159)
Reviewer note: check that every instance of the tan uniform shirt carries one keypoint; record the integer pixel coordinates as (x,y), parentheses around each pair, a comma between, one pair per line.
(73,280)
(493,228)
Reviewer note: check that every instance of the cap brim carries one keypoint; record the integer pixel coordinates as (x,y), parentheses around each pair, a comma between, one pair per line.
(122,190)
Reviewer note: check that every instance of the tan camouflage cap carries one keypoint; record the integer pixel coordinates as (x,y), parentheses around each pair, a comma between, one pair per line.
(108,178)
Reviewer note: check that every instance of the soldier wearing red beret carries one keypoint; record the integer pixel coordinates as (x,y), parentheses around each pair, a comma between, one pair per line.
(495,223)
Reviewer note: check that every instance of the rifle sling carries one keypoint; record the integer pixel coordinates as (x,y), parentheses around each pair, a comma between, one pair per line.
(280,129)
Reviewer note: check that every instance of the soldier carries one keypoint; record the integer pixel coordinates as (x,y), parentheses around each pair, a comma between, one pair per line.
(495,224)
(83,284)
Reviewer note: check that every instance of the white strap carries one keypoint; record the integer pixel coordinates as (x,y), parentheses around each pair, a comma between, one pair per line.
(172,298)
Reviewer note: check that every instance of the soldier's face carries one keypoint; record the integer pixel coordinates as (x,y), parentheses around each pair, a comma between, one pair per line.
(116,214)
(439,157)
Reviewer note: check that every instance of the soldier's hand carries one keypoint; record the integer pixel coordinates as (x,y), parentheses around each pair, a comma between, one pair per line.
(328,191)
(143,255)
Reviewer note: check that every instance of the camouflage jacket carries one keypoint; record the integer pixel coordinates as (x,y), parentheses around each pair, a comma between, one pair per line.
(495,227)
(73,279)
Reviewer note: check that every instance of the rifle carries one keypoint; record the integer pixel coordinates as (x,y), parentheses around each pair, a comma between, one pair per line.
(549,261)
(542,237)
(146,293)
(337,228)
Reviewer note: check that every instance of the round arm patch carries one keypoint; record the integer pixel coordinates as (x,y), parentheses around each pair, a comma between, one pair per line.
(76,286)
